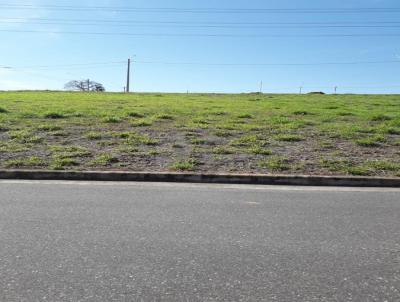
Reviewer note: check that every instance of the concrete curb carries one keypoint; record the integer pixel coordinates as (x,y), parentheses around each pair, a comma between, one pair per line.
(296,180)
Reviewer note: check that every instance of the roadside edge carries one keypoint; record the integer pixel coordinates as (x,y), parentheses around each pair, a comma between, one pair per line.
(251,179)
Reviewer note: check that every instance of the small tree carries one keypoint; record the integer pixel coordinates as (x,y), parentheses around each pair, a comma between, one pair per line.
(86,85)
(98,87)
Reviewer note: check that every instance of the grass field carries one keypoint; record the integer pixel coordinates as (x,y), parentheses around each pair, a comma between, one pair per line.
(247,133)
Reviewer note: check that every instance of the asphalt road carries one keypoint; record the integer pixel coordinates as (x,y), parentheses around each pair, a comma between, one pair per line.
(176,242)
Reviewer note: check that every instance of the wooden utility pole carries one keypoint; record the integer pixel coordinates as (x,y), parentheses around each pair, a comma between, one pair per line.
(88,85)
(336,89)
(261,86)
(128,75)
(301,90)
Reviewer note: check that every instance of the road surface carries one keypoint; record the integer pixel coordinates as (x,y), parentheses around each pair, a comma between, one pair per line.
(77,241)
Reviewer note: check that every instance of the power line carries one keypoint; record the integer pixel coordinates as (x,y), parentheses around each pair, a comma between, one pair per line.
(201,34)
(369,87)
(24,20)
(336,88)
(78,66)
(271,64)
(203,10)
(236,26)
(120,63)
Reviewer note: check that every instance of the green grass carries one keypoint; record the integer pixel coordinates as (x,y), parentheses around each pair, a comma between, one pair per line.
(185,165)
(94,135)
(135,114)
(69,151)
(63,163)
(245,116)
(275,164)
(381,118)
(260,151)
(359,171)
(25,162)
(301,112)
(224,150)
(367,168)
(135,139)
(248,141)
(112,119)
(48,127)
(384,165)
(12,147)
(222,133)
(58,133)
(372,141)
(104,160)
(288,138)
(393,131)
(141,123)
(25,137)
(242,129)
(335,165)
(54,115)
(153,152)
(165,117)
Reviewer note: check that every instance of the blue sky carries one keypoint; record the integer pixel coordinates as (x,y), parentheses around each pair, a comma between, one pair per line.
(25,51)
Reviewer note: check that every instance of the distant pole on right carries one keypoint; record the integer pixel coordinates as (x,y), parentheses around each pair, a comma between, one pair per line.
(128,76)
(336,89)
(301,90)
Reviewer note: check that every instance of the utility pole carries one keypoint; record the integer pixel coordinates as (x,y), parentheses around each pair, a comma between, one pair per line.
(88,85)
(336,89)
(128,75)
(261,86)
(301,90)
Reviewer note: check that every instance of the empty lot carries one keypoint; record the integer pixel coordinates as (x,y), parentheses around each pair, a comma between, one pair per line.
(245,133)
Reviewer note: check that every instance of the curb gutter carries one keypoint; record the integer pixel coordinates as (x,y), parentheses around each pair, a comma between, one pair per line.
(254,179)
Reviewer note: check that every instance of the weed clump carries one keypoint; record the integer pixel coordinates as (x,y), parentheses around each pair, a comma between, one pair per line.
(372,141)
(135,114)
(25,162)
(185,165)
(54,115)
(381,118)
(112,120)
(104,160)
(275,164)
(288,138)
